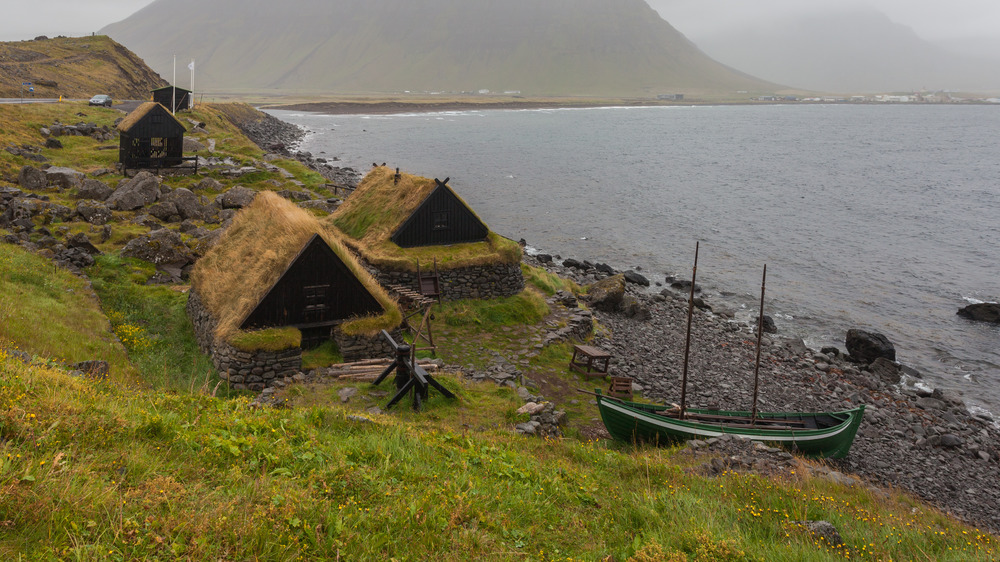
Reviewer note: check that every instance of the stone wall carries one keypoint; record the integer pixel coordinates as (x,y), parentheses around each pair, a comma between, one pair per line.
(357,348)
(476,282)
(244,370)
(255,370)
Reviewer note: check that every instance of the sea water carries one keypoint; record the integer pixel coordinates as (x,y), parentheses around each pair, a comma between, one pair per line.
(880,217)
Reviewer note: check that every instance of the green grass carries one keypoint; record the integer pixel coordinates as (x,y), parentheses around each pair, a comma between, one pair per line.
(547,282)
(322,356)
(271,339)
(101,473)
(527,307)
(151,322)
(74,328)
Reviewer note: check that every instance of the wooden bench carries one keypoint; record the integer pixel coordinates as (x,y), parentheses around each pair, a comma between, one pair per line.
(590,361)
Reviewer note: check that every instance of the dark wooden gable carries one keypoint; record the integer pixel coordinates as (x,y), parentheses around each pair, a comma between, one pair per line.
(165,96)
(316,290)
(441,219)
(152,120)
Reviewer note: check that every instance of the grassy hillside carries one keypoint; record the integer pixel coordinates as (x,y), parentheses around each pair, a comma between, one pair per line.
(161,462)
(75,67)
(548,47)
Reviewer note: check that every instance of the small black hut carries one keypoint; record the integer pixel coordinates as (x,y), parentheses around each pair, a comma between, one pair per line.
(150,137)
(165,97)
(316,291)
(442,218)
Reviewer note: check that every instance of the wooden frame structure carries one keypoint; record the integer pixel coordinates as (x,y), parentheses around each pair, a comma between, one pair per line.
(429,282)
(415,306)
(409,377)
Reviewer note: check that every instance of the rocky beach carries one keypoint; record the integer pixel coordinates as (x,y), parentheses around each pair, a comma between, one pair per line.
(911,437)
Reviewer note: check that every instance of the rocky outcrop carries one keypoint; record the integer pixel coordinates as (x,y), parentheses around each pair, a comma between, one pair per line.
(32,178)
(236,198)
(95,190)
(865,347)
(161,247)
(64,178)
(141,190)
(983,312)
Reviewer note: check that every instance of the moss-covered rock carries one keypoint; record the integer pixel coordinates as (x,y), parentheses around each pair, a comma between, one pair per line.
(607,294)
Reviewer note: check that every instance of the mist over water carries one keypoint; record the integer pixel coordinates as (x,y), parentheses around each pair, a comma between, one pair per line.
(885,218)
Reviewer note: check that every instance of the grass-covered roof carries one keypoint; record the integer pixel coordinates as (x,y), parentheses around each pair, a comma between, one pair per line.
(379,206)
(255,251)
(138,113)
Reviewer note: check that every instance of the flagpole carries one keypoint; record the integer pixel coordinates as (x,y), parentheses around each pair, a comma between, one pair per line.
(191,101)
(173,90)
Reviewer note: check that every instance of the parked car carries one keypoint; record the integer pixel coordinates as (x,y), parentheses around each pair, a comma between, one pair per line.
(101,99)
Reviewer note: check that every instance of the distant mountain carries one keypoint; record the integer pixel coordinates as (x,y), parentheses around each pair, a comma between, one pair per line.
(75,67)
(857,51)
(537,47)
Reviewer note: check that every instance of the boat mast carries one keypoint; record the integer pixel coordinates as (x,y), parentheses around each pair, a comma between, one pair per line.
(760,336)
(687,344)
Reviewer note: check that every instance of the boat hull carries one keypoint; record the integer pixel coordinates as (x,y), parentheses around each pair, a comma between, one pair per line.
(823,434)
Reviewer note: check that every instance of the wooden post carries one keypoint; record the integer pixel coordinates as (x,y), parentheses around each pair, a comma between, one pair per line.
(760,336)
(687,343)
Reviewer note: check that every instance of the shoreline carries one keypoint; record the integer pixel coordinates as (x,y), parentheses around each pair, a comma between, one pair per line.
(909,436)
(395,107)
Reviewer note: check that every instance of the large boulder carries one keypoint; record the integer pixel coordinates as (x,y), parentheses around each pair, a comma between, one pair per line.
(191,145)
(188,204)
(607,294)
(66,178)
(208,184)
(865,347)
(635,277)
(889,372)
(94,189)
(983,312)
(82,242)
(32,178)
(166,211)
(94,212)
(236,198)
(162,247)
(136,193)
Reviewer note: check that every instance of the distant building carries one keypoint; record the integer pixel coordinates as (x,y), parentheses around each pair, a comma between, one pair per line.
(166,97)
(670,97)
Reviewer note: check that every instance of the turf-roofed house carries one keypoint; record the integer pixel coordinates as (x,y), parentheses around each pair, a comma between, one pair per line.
(277,282)
(403,223)
(150,138)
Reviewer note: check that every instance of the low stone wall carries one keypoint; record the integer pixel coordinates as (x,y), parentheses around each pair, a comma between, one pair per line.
(357,348)
(203,321)
(255,370)
(476,282)
(244,370)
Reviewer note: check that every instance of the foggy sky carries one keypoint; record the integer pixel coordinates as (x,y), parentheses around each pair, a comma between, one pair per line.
(931,19)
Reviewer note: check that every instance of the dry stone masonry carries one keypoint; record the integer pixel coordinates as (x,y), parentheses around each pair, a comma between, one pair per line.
(244,370)
(476,282)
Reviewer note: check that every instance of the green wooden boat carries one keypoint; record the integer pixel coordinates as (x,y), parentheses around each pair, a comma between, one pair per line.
(821,434)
